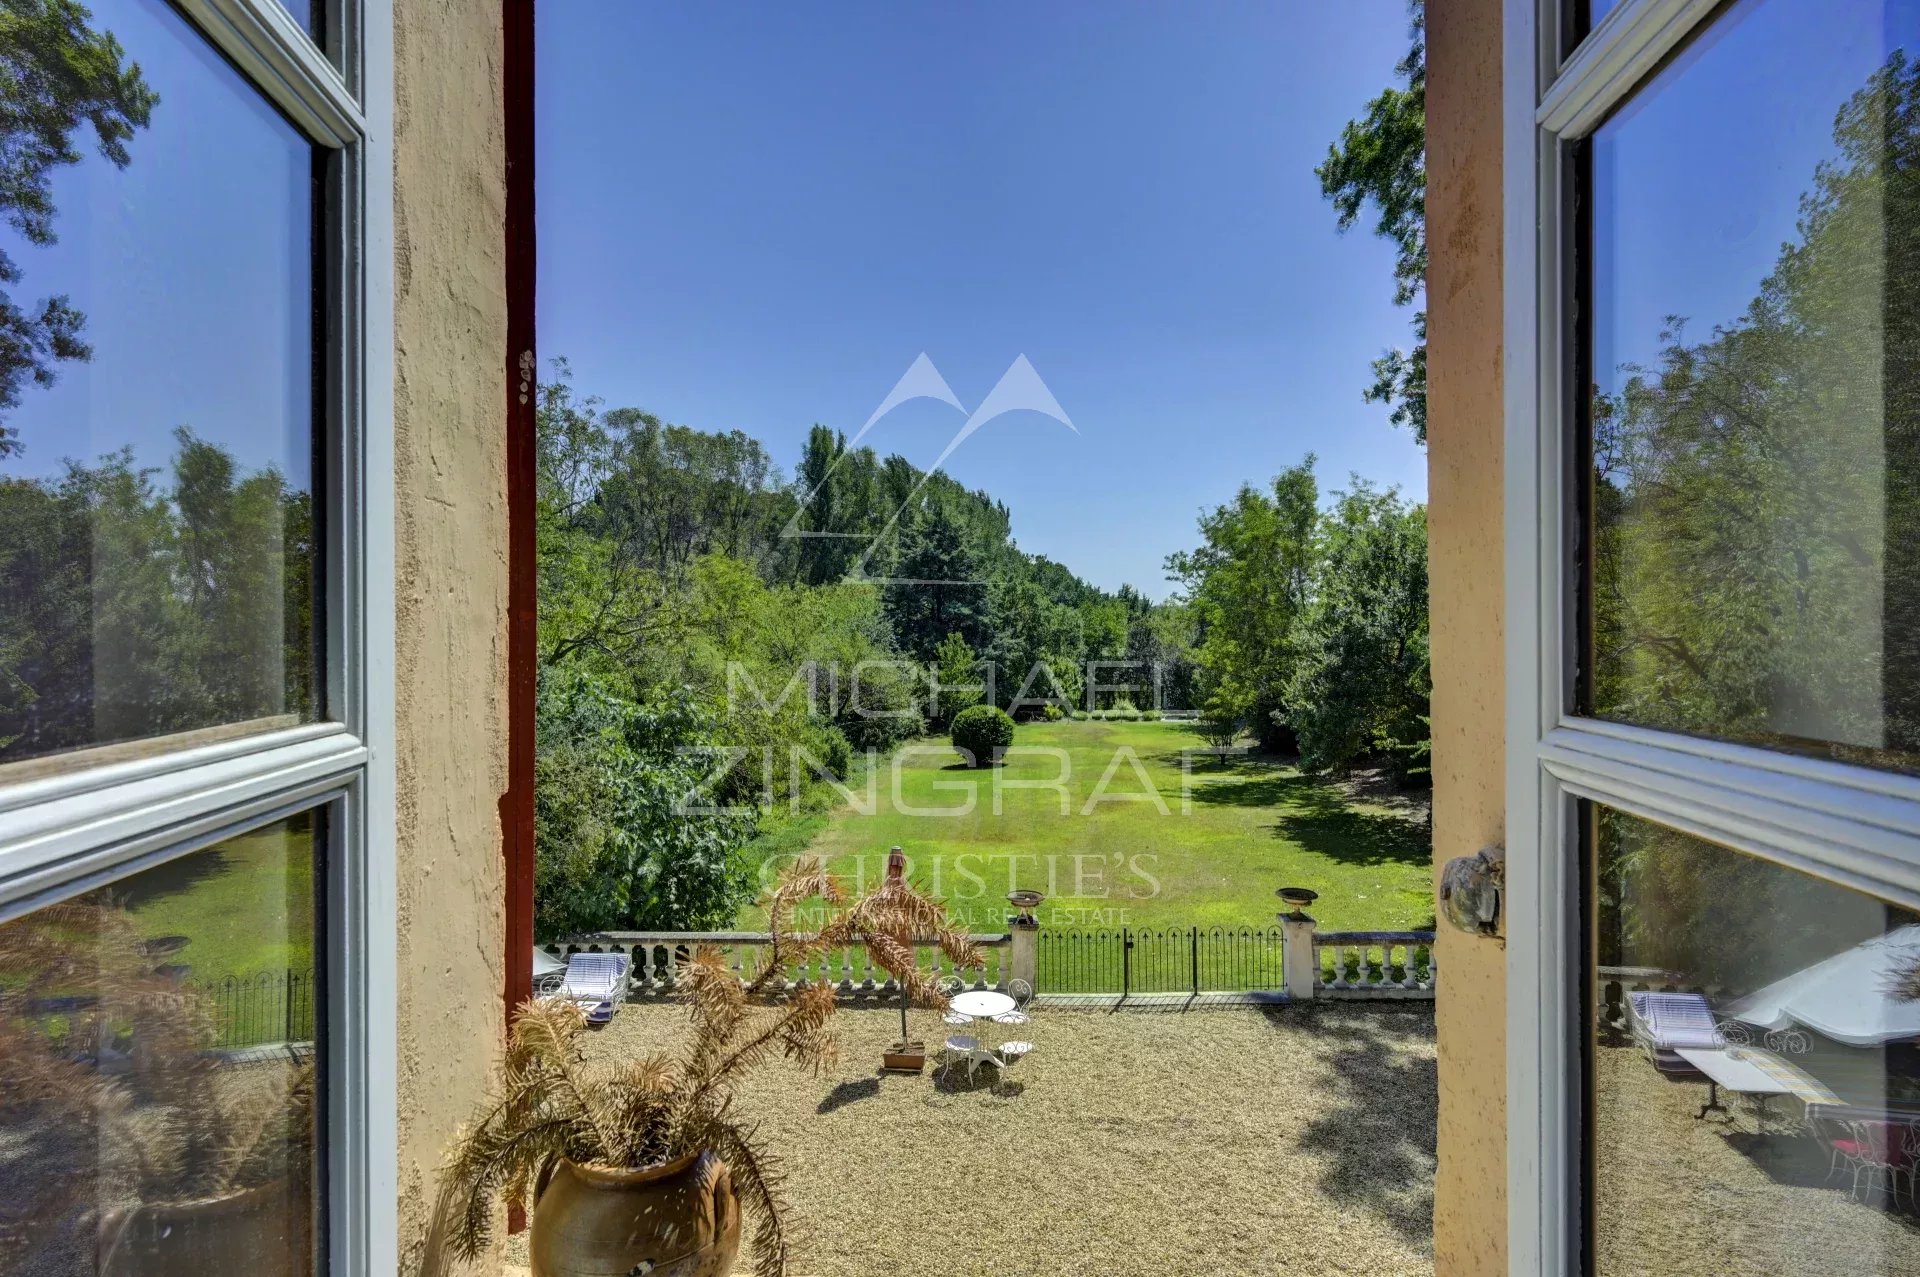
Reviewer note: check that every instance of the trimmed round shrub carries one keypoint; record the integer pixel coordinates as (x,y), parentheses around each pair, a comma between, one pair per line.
(1150,716)
(1052,713)
(980,733)
(1080,716)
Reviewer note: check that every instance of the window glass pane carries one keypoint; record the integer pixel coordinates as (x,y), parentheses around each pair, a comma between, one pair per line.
(307,13)
(157,562)
(158,1068)
(1755,1081)
(1755,277)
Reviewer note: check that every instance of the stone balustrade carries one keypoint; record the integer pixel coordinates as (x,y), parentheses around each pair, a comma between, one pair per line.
(1313,964)
(1373,964)
(850,971)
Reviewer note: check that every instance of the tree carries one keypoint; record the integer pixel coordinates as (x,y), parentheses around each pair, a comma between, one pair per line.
(1248,584)
(136,601)
(623,834)
(57,76)
(1381,161)
(1360,682)
(958,673)
(938,586)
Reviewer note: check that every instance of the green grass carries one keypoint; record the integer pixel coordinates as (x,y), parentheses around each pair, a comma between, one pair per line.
(245,905)
(1210,852)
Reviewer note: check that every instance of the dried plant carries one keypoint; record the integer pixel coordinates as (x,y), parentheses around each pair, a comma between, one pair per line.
(552,1102)
(892,922)
(93,1036)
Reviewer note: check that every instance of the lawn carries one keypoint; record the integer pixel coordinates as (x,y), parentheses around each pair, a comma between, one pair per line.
(244,905)
(1124,824)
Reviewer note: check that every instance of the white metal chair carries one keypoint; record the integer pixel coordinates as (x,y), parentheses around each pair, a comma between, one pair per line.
(1014,1052)
(960,1047)
(952,986)
(1022,993)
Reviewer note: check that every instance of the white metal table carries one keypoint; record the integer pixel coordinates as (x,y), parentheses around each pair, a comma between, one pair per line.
(1735,1070)
(982,1004)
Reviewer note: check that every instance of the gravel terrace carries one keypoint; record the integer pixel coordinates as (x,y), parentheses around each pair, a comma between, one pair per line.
(1268,1140)
(1676,1195)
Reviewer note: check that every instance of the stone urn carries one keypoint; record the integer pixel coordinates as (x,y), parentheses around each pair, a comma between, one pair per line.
(680,1219)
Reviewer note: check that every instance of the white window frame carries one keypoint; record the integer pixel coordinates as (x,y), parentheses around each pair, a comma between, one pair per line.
(68,832)
(1851,825)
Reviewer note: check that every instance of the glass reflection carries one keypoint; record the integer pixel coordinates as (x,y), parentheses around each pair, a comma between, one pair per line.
(307,13)
(158,1069)
(1756,1085)
(156,387)
(1756,411)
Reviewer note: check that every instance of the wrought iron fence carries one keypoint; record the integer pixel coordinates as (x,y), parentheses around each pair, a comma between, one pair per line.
(1127,960)
(253,1010)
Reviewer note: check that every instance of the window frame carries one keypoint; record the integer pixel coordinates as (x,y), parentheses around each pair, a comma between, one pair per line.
(76,828)
(1851,825)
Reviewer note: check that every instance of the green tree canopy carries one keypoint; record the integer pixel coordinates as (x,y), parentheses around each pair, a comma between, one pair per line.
(1380,162)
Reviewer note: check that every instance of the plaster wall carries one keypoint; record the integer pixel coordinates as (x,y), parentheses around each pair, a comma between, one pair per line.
(1466,540)
(451,574)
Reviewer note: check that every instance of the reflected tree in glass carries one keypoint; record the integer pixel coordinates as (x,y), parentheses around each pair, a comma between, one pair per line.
(1756,554)
(59,79)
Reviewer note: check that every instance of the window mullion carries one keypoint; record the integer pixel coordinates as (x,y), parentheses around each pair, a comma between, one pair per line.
(1628,44)
(1864,841)
(284,63)
(65,843)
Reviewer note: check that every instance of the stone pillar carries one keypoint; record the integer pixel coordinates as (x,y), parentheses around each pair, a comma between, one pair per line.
(1025,956)
(1299,963)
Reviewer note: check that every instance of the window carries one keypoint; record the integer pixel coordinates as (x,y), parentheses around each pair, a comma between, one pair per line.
(157,573)
(161,1060)
(1810,990)
(1714,483)
(1753,462)
(196,915)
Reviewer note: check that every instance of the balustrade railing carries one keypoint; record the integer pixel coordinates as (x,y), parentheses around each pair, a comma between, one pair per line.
(1381,964)
(1118,962)
(655,955)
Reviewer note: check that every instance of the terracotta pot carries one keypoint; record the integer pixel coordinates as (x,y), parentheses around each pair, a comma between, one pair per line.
(677,1220)
(265,1229)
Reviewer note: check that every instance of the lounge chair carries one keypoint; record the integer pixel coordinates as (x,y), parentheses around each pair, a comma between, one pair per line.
(596,983)
(1663,1023)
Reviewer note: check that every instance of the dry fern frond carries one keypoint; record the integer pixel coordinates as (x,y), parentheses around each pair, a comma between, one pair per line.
(179,1122)
(715,1001)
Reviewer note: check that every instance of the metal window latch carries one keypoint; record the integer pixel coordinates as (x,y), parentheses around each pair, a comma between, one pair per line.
(1470,890)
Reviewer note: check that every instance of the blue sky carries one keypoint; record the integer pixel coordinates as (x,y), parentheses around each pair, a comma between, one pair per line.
(192,265)
(1693,200)
(757,217)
